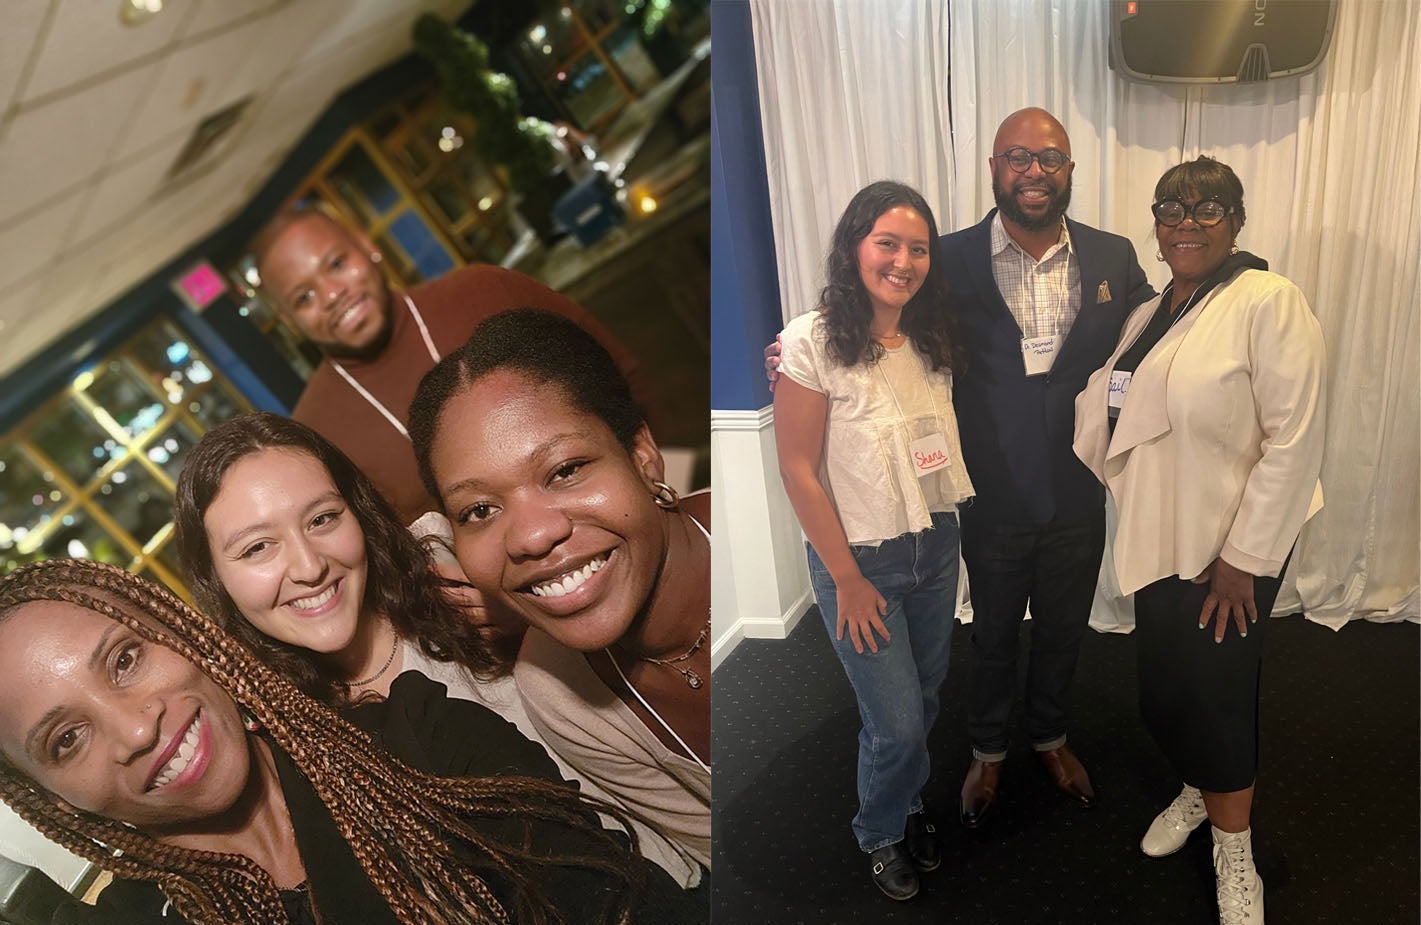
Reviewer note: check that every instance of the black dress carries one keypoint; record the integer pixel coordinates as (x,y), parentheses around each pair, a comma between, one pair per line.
(449,738)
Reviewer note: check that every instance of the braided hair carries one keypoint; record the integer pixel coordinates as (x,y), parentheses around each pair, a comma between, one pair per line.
(416,836)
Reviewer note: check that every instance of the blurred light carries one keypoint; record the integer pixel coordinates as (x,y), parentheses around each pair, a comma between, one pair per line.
(566,12)
(446,145)
(159,455)
(631,9)
(198,373)
(68,520)
(55,495)
(562,131)
(619,183)
(601,166)
(243,311)
(194,407)
(3,465)
(120,477)
(178,352)
(485,203)
(107,489)
(253,275)
(20,533)
(447,131)
(84,380)
(77,550)
(137,12)
(562,75)
(647,204)
(171,444)
(537,34)
(547,49)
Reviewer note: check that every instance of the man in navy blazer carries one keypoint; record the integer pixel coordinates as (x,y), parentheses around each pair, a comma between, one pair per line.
(1040,301)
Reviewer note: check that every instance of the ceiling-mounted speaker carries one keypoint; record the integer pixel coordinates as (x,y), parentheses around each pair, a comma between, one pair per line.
(1218,41)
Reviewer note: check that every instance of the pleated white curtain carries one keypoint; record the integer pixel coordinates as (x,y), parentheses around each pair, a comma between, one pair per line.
(1329,161)
(855,92)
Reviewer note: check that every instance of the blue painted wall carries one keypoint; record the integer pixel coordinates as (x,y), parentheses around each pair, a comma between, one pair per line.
(745,294)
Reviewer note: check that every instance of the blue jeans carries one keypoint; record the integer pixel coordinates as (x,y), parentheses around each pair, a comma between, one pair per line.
(897,687)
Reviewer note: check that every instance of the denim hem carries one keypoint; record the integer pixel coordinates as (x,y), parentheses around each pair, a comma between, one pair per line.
(881,844)
(1051,745)
(989,757)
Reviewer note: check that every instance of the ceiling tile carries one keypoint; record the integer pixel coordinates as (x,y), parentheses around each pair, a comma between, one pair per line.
(32,242)
(60,144)
(195,82)
(214,14)
(116,197)
(86,38)
(17,41)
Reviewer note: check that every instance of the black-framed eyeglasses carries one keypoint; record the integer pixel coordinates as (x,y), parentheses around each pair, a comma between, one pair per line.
(1019,159)
(1206,212)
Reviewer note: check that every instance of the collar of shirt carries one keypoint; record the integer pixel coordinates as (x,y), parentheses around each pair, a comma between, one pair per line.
(1001,241)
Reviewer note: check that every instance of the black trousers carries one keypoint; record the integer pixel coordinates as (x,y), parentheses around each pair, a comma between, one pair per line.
(1054,568)
(1199,698)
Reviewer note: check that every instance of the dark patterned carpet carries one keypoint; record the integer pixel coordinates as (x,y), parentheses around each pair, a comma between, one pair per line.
(1335,822)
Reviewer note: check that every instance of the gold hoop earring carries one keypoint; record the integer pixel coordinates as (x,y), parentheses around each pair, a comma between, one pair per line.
(375,257)
(1233,249)
(665,497)
(1159,255)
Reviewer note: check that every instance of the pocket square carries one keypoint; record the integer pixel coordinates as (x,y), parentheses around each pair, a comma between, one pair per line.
(1102,294)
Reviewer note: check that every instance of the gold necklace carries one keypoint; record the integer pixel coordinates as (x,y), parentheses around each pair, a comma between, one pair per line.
(383,668)
(693,680)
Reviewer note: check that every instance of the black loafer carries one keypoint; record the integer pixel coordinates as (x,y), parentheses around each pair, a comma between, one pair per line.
(893,872)
(920,838)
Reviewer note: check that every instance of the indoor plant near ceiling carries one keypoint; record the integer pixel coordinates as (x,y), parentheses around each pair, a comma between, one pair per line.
(523,146)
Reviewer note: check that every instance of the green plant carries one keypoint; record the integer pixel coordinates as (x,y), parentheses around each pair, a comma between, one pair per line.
(522,146)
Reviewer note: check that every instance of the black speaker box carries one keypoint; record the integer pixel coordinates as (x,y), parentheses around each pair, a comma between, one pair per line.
(1218,41)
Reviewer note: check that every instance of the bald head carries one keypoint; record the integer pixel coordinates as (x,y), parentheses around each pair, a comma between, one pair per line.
(1034,123)
(1034,199)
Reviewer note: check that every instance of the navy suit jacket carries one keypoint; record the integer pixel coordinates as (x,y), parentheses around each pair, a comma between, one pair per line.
(1016,429)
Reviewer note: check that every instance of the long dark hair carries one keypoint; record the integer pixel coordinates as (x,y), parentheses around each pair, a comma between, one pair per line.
(927,318)
(415,835)
(545,346)
(399,583)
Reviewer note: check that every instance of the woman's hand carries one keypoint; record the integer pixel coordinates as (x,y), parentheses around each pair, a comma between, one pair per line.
(772,362)
(861,609)
(1230,595)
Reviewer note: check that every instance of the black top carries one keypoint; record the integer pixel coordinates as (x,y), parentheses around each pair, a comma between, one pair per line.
(449,738)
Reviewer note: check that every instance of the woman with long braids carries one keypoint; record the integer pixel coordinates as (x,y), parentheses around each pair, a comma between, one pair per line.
(139,735)
(869,453)
(529,438)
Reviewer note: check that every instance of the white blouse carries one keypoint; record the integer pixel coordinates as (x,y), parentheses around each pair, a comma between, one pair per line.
(876,411)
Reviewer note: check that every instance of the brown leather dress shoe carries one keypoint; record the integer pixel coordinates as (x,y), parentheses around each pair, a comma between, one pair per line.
(979,789)
(1069,774)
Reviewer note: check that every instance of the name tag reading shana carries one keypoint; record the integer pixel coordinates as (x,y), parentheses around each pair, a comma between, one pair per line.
(929,453)
(1038,353)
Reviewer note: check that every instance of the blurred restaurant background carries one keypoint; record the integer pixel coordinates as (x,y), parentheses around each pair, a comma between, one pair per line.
(144,142)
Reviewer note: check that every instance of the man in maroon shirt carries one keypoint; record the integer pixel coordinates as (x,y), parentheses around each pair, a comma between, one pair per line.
(378,344)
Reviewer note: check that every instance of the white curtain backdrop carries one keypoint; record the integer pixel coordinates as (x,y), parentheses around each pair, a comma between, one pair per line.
(843,118)
(1329,161)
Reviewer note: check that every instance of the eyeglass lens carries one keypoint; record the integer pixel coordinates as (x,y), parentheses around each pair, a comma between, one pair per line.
(1019,159)
(1206,213)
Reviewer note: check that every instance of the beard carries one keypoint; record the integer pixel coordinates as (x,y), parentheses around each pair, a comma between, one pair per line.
(1056,206)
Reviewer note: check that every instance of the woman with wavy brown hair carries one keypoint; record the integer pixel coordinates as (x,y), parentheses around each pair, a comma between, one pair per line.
(139,735)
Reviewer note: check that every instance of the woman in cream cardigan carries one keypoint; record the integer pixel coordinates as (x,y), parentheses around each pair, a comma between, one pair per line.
(1206,425)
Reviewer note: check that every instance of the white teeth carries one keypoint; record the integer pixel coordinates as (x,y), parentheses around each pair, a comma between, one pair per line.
(179,762)
(311,603)
(568,582)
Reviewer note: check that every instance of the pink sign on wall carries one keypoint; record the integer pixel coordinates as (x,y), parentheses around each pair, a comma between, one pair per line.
(199,286)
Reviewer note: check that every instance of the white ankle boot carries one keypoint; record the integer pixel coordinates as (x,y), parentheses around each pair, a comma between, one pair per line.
(1171,828)
(1239,887)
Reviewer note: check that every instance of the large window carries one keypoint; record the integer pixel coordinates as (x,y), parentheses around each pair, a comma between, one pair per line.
(91,473)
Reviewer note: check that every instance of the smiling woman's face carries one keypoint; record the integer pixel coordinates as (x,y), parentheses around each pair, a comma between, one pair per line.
(552,516)
(114,724)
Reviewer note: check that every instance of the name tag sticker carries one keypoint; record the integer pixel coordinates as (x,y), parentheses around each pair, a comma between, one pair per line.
(929,453)
(1038,353)
(1119,387)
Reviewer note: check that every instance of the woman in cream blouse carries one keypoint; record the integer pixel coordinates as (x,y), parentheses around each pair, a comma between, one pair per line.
(1206,425)
(869,453)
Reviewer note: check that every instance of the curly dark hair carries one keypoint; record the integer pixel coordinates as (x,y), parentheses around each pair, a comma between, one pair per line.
(928,318)
(418,837)
(545,346)
(1206,178)
(400,582)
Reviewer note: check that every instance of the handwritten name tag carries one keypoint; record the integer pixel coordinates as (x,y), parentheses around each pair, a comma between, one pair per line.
(929,453)
(1038,353)
(1119,387)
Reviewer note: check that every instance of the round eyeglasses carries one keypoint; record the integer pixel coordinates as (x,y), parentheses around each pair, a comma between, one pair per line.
(1206,212)
(1019,159)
